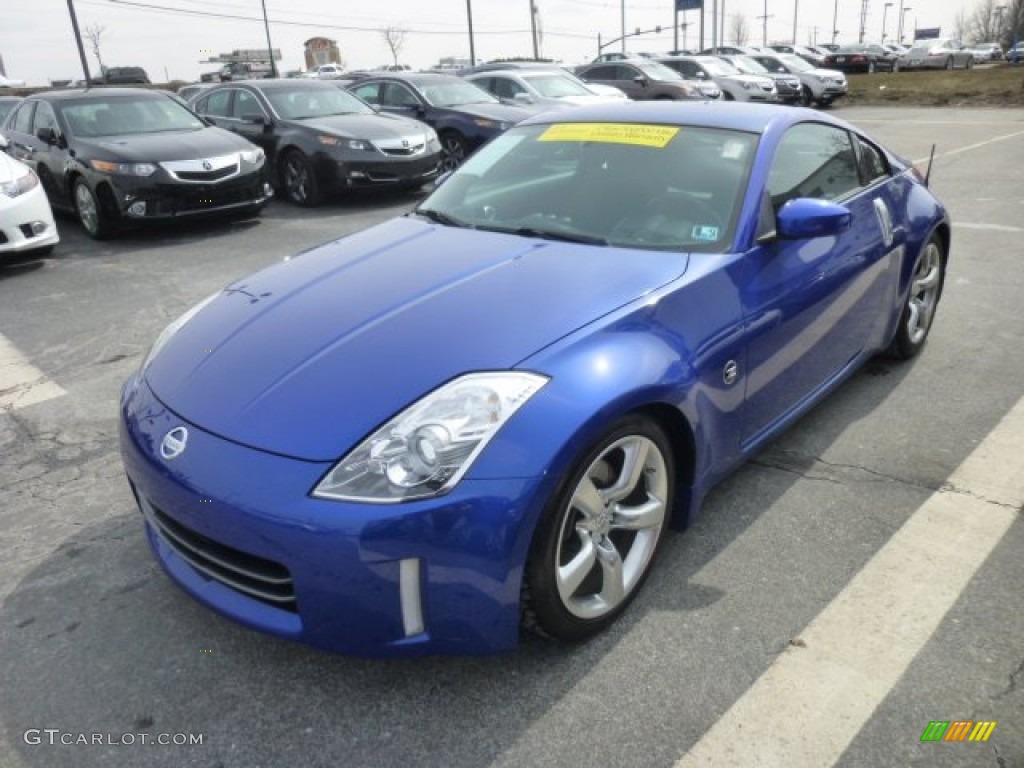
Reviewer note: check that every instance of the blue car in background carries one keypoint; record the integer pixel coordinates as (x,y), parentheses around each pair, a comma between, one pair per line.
(486,414)
(463,114)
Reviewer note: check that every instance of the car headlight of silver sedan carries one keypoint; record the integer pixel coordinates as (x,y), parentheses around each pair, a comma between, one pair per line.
(433,142)
(21,184)
(426,449)
(253,156)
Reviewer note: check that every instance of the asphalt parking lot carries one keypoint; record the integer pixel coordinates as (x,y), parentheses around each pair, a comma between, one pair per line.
(722,660)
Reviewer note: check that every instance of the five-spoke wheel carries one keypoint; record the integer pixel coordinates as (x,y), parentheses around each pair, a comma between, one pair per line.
(923,298)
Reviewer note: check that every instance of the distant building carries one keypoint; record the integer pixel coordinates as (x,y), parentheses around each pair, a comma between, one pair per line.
(452,62)
(321,50)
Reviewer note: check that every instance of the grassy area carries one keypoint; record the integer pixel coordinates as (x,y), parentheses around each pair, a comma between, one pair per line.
(1000,85)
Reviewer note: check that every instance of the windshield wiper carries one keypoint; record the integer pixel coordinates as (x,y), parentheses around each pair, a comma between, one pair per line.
(441,218)
(549,234)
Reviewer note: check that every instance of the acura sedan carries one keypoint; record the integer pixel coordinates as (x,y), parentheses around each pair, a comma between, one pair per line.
(119,155)
(319,138)
(488,413)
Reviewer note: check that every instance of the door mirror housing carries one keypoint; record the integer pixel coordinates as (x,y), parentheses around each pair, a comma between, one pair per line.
(522,98)
(806,218)
(48,136)
(255,118)
(3,142)
(640,80)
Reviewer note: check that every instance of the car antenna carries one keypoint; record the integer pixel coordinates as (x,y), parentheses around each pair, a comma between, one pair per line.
(928,173)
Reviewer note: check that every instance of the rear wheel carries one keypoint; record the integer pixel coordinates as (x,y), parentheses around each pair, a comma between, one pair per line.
(597,540)
(949,63)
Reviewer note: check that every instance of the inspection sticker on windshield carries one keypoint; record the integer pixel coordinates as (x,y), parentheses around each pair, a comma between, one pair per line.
(612,133)
(704,233)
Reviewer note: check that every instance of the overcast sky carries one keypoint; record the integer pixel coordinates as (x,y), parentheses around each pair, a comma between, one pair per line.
(37,43)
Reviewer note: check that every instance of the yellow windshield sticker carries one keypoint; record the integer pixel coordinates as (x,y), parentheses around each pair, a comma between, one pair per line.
(612,133)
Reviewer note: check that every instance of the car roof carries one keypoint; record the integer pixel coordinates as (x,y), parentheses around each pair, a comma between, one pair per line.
(737,116)
(74,94)
(416,78)
(280,83)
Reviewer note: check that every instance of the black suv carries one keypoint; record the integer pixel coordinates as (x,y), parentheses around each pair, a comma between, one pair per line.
(125,76)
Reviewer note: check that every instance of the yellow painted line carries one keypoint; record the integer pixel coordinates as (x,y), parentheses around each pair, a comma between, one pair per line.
(21,383)
(813,700)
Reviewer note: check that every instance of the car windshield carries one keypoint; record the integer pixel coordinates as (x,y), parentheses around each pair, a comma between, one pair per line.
(304,103)
(719,67)
(455,93)
(556,86)
(121,115)
(657,71)
(630,185)
(794,63)
(5,109)
(748,65)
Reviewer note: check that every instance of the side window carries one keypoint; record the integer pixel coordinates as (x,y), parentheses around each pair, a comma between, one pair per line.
(368,92)
(246,105)
(813,160)
(44,118)
(218,104)
(872,162)
(602,73)
(22,120)
(506,89)
(625,72)
(397,95)
(689,70)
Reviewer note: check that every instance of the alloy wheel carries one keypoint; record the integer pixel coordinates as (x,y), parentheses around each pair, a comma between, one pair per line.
(924,293)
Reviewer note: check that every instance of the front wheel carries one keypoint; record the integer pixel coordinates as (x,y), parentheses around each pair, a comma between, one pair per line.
(95,221)
(919,310)
(597,539)
(806,96)
(871,67)
(949,63)
(299,180)
(453,151)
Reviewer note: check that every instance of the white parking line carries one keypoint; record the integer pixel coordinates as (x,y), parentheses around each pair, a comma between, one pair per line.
(811,702)
(970,147)
(989,227)
(21,383)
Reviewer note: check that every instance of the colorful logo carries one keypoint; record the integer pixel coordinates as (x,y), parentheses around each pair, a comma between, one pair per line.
(958,730)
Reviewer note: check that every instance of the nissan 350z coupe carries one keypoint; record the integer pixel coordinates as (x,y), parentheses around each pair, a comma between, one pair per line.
(487,413)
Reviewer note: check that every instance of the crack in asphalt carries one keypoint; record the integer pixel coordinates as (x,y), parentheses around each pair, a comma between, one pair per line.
(801,466)
(1017,673)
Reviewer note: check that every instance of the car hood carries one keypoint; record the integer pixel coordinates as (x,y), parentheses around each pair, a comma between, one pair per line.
(163,147)
(307,357)
(833,73)
(371,126)
(506,113)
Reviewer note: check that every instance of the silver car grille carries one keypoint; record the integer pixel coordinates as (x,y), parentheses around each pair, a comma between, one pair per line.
(203,170)
(406,147)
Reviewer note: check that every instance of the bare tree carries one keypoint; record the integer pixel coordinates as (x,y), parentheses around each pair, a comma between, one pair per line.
(395,38)
(961,24)
(93,33)
(740,29)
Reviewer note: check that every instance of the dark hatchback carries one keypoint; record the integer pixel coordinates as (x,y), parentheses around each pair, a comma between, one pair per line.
(320,138)
(464,115)
(120,155)
(861,57)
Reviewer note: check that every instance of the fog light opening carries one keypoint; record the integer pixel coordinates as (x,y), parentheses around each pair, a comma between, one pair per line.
(37,227)
(137,208)
(412,601)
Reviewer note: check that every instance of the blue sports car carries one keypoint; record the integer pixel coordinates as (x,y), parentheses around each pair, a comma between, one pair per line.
(485,415)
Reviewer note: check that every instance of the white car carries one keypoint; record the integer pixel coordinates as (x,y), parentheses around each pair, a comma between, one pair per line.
(6,82)
(735,85)
(329,72)
(820,86)
(26,221)
(545,87)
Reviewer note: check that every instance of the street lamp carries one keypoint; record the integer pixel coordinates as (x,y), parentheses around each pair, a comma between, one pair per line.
(885,12)
(903,16)
(835,17)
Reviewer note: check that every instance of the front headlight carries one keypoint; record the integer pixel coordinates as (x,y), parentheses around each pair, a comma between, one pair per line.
(253,156)
(336,141)
(173,328)
(433,143)
(20,185)
(125,169)
(426,449)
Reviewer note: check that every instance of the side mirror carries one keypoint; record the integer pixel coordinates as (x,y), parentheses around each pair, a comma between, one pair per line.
(3,142)
(47,136)
(640,80)
(522,98)
(256,118)
(806,218)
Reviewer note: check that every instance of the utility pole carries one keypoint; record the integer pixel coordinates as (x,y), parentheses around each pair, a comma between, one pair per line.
(623,21)
(721,36)
(796,13)
(764,23)
(863,18)
(835,20)
(469,17)
(885,13)
(270,48)
(675,27)
(714,24)
(533,29)
(78,41)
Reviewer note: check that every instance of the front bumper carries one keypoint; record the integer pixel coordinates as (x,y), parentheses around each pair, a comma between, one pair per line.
(162,197)
(376,169)
(26,222)
(237,529)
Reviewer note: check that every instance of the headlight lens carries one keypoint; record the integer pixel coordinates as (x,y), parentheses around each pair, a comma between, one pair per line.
(253,156)
(125,169)
(20,185)
(173,328)
(337,141)
(433,142)
(426,449)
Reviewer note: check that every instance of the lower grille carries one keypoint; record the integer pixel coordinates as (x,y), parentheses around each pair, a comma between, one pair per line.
(256,577)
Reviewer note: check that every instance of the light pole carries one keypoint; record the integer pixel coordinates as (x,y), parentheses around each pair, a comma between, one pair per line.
(469,19)
(796,11)
(835,17)
(885,12)
(533,29)
(903,18)
(623,20)
(270,47)
(78,41)
(999,22)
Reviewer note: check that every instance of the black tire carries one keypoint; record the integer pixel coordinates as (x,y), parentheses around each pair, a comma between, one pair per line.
(298,180)
(637,492)
(969,64)
(92,215)
(807,96)
(927,279)
(728,96)
(949,63)
(825,101)
(453,150)
(895,67)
